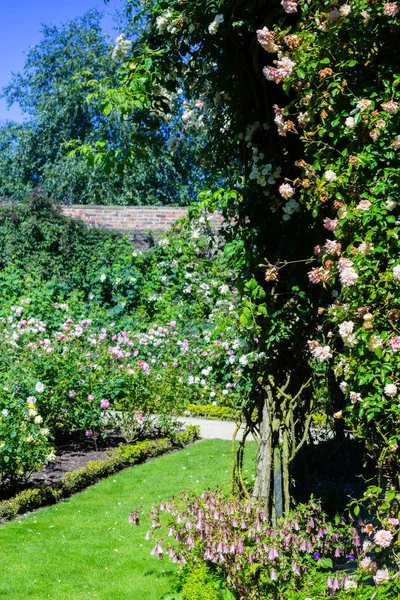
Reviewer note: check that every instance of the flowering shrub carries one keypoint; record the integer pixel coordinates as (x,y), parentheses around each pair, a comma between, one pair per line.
(345,82)
(24,439)
(255,559)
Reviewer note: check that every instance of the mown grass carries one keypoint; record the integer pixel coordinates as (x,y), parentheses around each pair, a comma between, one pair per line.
(85,549)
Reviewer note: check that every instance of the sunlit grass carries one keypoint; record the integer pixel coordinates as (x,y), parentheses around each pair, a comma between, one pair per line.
(85,549)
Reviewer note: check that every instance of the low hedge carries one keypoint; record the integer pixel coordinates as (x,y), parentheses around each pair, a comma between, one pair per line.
(211,411)
(75,481)
(225,413)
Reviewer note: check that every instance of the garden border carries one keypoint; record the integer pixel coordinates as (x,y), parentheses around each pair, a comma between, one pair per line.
(76,481)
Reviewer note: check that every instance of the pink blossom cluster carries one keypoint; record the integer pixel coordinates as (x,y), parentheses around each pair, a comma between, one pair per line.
(394,343)
(283,70)
(318,275)
(286,191)
(333,247)
(267,40)
(347,274)
(391,9)
(319,352)
(231,535)
(289,6)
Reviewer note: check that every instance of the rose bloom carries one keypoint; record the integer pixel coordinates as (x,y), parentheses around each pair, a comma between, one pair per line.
(390,9)
(355,397)
(286,190)
(288,6)
(395,144)
(390,107)
(364,104)
(396,272)
(375,134)
(381,576)
(345,10)
(330,175)
(383,538)
(330,224)
(390,390)
(390,204)
(333,247)
(375,342)
(348,277)
(350,122)
(394,343)
(363,205)
(104,404)
(365,563)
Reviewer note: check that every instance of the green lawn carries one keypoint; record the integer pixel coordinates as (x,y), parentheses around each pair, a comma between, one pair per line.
(85,549)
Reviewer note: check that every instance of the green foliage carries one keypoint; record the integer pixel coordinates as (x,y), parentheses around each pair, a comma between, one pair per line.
(200,583)
(52,91)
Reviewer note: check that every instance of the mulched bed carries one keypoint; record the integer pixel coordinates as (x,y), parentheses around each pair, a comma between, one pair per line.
(71,453)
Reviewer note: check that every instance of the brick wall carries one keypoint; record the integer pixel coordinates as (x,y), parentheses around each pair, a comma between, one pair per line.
(130,219)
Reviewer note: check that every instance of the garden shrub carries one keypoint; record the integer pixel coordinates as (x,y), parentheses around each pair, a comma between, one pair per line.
(24,440)
(300,555)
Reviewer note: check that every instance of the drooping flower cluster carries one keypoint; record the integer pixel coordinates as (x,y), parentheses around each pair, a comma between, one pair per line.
(230,536)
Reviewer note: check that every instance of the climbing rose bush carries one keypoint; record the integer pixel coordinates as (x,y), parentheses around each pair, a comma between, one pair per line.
(340,64)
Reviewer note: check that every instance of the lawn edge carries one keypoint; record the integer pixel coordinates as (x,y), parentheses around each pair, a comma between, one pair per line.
(78,480)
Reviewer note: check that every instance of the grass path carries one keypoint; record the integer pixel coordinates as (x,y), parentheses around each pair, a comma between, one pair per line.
(85,549)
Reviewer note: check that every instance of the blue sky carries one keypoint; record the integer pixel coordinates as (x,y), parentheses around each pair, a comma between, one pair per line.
(21,22)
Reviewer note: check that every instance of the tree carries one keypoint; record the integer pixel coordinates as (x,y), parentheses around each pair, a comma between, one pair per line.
(55,103)
(216,59)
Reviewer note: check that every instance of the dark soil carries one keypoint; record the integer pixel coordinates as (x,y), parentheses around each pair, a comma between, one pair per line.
(71,453)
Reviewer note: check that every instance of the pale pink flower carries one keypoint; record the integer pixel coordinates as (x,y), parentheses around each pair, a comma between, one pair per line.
(350,122)
(365,563)
(319,352)
(396,272)
(345,10)
(72,393)
(363,205)
(391,9)
(383,538)
(318,275)
(330,175)
(104,404)
(283,70)
(363,104)
(393,522)
(333,247)
(90,397)
(348,277)
(344,263)
(390,107)
(355,397)
(381,576)
(365,248)
(267,40)
(330,224)
(380,124)
(286,191)
(394,343)
(375,134)
(289,6)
